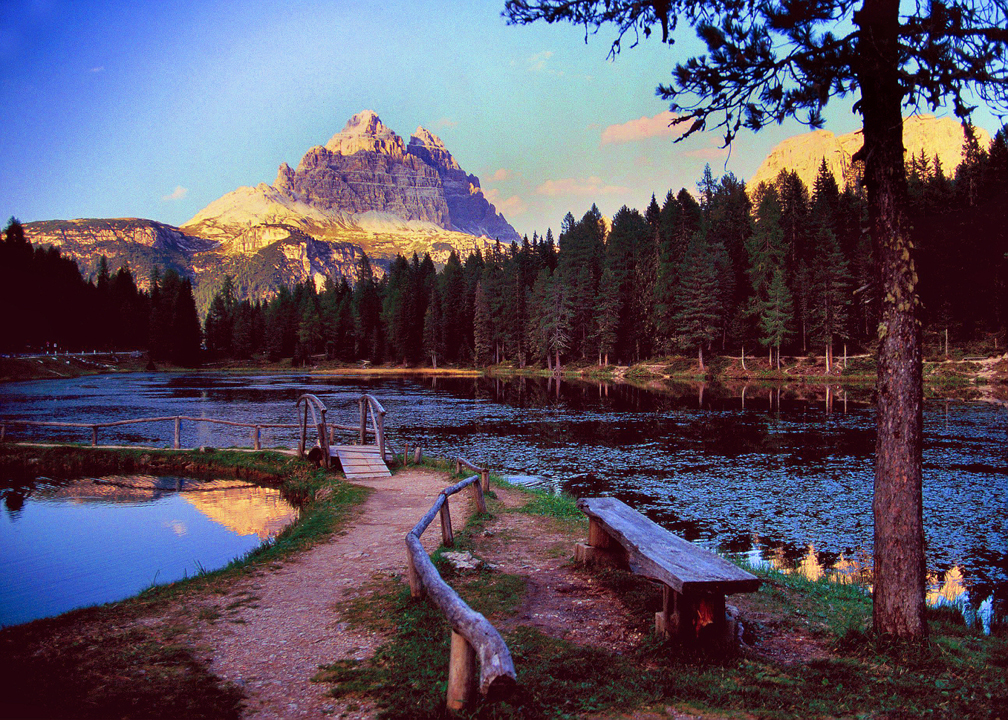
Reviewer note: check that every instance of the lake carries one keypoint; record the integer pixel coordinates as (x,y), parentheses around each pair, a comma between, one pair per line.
(65,545)
(783,468)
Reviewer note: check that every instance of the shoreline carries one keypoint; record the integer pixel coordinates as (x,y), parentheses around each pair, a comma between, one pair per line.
(984,379)
(218,645)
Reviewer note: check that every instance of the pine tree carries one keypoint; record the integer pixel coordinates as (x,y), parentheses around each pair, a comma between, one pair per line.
(776,312)
(607,314)
(433,329)
(831,290)
(698,300)
(482,330)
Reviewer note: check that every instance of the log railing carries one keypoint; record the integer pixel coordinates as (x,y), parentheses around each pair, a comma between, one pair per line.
(484,472)
(472,634)
(369,403)
(325,430)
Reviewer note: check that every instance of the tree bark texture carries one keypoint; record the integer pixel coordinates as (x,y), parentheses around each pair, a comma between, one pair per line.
(898,596)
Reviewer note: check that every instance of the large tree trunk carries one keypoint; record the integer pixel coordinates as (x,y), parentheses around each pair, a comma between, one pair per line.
(898,597)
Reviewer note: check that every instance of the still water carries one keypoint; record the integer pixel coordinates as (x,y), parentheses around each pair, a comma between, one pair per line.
(791,467)
(68,545)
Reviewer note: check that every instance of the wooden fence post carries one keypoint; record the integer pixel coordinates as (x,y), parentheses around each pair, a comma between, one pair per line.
(458,466)
(417,455)
(381,434)
(477,491)
(94,436)
(363,419)
(405,455)
(178,433)
(461,673)
(324,444)
(304,432)
(485,479)
(3,433)
(256,440)
(415,587)
(446,529)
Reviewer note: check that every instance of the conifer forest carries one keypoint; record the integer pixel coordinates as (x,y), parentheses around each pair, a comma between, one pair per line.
(777,269)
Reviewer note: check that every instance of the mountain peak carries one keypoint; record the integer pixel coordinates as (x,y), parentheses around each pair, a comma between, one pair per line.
(428,147)
(366,131)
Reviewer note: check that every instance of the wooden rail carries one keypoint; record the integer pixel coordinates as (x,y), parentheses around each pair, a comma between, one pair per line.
(326,430)
(472,634)
(484,472)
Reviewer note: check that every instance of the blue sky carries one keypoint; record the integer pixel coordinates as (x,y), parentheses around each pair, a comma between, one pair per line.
(119,109)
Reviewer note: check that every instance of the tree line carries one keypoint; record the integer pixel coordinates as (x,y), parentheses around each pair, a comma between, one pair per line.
(779,268)
(48,306)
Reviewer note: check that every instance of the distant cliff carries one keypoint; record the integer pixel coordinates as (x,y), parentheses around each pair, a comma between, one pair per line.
(804,153)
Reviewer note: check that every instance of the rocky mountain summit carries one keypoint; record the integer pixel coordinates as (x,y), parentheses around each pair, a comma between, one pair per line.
(804,153)
(364,191)
(365,178)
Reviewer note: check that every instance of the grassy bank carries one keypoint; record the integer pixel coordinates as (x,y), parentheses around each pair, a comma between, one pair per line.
(121,660)
(808,652)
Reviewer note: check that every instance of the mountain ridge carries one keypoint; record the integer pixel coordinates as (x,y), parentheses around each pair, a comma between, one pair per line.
(364,191)
(805,152)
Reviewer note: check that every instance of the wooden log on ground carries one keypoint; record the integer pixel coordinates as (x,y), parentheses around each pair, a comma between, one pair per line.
(461,673)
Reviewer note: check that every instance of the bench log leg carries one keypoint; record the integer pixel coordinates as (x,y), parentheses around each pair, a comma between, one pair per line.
(693,619)
(601,549)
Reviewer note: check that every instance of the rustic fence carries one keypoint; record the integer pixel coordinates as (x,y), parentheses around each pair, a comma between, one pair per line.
(369,406)
(472,635)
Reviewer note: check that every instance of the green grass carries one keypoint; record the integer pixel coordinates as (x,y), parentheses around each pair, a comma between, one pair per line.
(102,662)
(956,673)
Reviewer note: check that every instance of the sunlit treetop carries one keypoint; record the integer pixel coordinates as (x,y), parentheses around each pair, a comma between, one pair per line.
(769,60)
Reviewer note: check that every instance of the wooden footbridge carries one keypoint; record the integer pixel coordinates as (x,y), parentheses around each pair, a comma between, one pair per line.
(362,459)
(358,461)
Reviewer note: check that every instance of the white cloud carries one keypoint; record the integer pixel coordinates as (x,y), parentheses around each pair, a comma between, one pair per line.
(177,194)
(537,63)
(445,123)
(501,175)
(98,69)
(640,129)
(591,186)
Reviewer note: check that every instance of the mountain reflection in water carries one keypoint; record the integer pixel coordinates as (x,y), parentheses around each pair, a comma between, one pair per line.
(711,463)
(67,545)
(951,591)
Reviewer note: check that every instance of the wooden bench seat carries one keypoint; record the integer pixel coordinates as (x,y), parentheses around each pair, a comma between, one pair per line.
(694,580)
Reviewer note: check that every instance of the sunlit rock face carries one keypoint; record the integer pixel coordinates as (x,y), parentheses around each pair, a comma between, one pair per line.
(364,191)
(804,153)
(470,211)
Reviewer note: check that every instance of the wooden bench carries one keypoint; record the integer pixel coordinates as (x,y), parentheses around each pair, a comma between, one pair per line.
(694,581)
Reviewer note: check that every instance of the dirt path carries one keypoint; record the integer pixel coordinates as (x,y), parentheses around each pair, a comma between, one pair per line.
(270,632)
